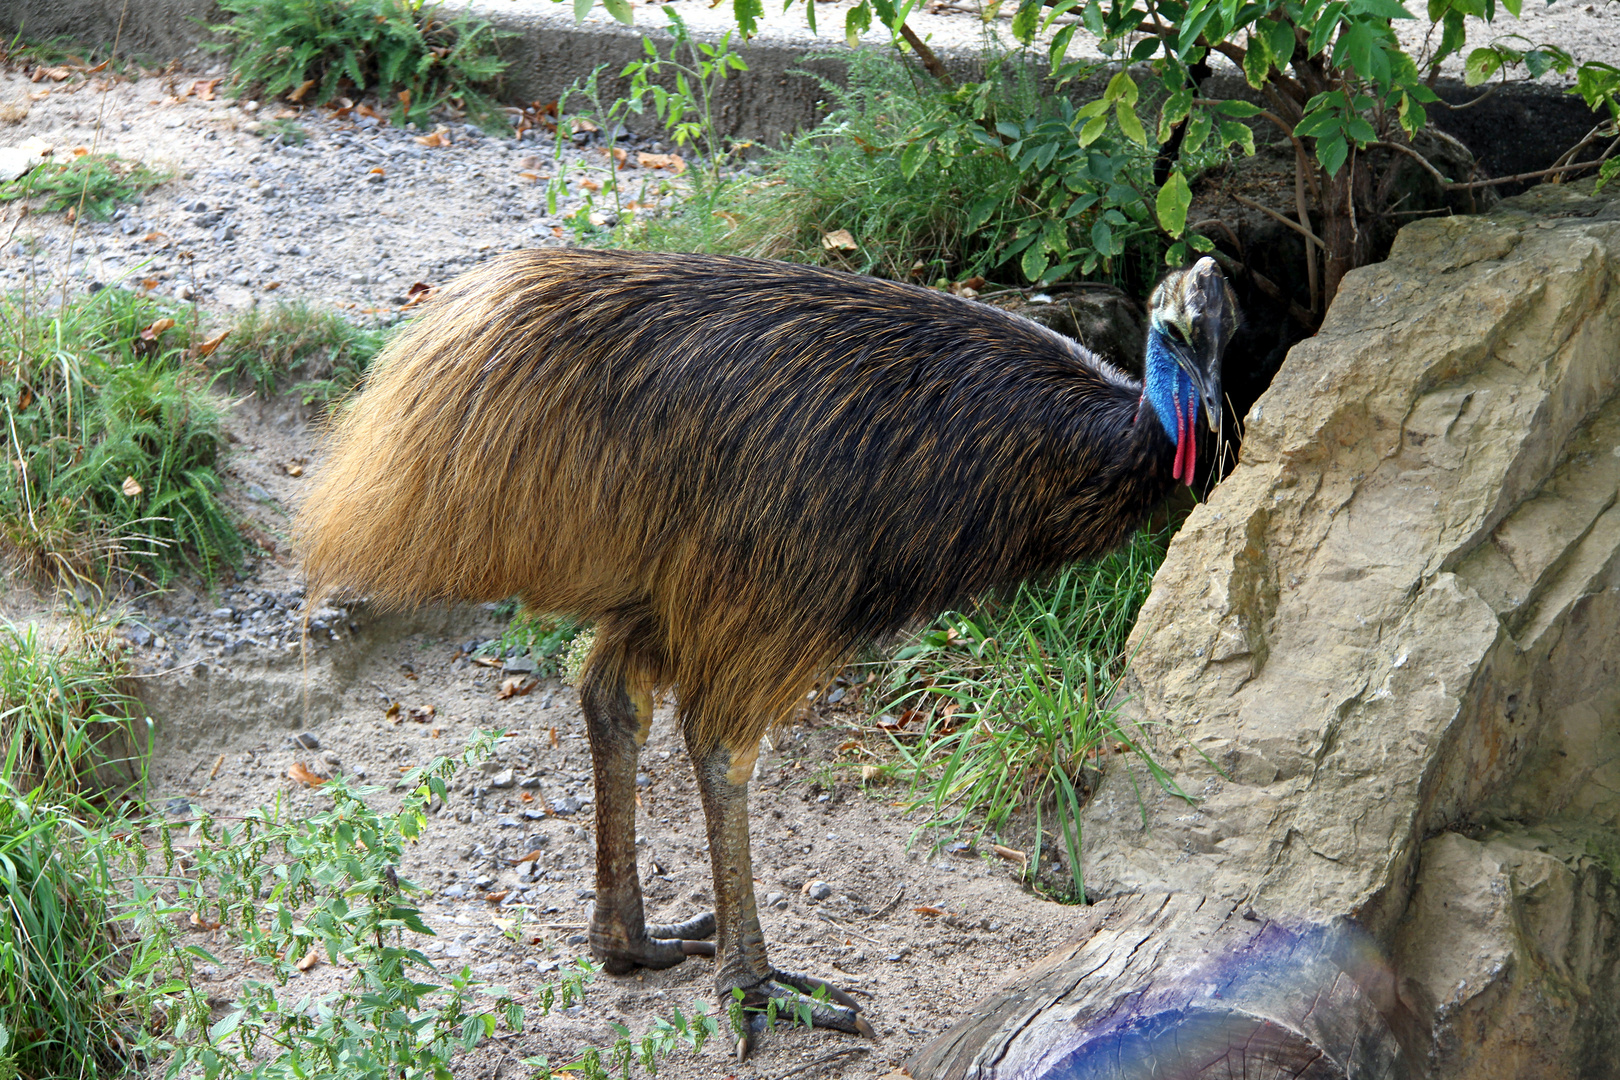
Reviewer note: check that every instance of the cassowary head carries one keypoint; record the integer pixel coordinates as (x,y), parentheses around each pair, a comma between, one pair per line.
(1192,315)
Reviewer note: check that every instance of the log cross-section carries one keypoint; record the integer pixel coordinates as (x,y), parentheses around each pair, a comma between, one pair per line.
(1178,986)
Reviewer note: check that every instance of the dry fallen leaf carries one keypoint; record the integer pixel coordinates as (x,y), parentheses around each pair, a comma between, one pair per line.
(303,88)
(39,95)
(551,733)
(132,486)
(489,661)
(204,88)
(310,959)
(301,773)
(157,329)
(1010,854)
(496,897)
(379,171)
(219,763)
(203,924)
(271,286)
(81,151)
(423,713)
(440,136)
(418,292)
(582,124)
(673,162)
(517,686)
(367,110)
(207,347)
(929,911)
(590,185)
(530,857)
(294,469)
(839,240)
(870,772)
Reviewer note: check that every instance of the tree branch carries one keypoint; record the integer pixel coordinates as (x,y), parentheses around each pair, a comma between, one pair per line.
(1288,221)
(930,62)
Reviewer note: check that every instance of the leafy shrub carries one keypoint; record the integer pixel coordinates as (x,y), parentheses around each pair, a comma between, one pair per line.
(97,182)
(113,439)
(401,50)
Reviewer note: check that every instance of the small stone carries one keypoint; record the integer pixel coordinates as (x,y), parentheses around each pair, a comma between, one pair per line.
(508,823)
(566,805)
(643,780)
(304,740)
(836,696)
(457,890)
(503,779)
(775,900)
(224,614)
(177,807)
(576,939)
(519,665)
(818,890)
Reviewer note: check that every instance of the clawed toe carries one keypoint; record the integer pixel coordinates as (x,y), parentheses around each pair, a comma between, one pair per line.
(801,997)
(658,947)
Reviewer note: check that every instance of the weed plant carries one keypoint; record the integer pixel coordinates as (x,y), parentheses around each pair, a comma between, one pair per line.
(92,184)
(319,355)
(112,440)
(1018,698)
(405,51)
(545,638)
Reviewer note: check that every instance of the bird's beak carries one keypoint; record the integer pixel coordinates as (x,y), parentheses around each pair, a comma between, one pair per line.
(1205,373)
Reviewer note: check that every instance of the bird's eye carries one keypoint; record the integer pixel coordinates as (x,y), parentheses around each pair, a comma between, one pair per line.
(1175,333)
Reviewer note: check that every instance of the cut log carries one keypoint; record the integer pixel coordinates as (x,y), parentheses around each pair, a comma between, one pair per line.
(1176,986)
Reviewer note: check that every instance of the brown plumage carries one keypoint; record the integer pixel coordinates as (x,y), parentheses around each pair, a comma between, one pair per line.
(740,471)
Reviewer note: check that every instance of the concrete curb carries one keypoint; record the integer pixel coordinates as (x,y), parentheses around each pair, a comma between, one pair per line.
(1522,127)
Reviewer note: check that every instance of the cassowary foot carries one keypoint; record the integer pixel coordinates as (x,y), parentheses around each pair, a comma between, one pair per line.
(658,946)
(829,1007)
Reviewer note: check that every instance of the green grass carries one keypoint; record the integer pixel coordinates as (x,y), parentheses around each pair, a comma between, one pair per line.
(1015,702)
(319,355)
(67,748)
(113,439)
(95,183)
(545,638)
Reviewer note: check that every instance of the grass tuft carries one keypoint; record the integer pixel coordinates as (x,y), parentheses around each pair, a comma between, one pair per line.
(318,354)
(112,440)
(1016,702)
(92,184)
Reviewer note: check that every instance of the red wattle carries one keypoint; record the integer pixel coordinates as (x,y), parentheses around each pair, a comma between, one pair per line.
(1181,440)
(1189,439)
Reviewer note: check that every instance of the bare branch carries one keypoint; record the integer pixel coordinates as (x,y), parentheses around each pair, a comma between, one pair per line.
(1288,221)
(930,62)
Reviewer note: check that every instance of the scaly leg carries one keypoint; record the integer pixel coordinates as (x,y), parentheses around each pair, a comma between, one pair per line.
(722,777)
(618,715)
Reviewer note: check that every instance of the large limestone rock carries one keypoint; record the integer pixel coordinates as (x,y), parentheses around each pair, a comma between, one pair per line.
(1384,659)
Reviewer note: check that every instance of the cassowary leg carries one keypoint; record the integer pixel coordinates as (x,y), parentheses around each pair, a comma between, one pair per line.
(723,781)
(618,716)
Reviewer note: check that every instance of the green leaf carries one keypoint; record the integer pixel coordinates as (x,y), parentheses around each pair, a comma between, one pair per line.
(1233,131)
(980,212)
(1257,61)
(222,1030)
(1326,24)
(582,8)
(1361,131)
(1380,9)
(1093,130)
(1281,38)
(1240,109)
(1318,124)
(1034,262)
(1102,238)
(621,10)
(1606,172)
(1144,50)
(1121,88)
(1332,152)
(911,158)
(1174,198)
(1026,21)
(1482,64)
(747,14)
(1129,124)
(857,22)
(1200,242)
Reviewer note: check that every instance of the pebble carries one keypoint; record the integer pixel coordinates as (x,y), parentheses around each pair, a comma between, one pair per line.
(566,805)
(503,779)
(818,890)
(304,740)
(456,890)
(177,807)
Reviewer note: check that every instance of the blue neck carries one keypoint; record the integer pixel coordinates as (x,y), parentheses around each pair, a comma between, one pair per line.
(1168,389)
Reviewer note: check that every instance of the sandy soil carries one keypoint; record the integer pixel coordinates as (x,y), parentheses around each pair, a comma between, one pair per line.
(224,677)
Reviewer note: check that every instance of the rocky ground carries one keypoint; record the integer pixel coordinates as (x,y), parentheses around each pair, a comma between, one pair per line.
(353,217)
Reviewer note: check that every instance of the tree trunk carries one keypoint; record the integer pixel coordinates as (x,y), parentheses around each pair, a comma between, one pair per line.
(1174,985)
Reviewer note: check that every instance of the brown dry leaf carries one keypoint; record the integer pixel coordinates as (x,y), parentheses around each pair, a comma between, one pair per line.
(530,857)
(39,95)
(423,713)
(929,911)
(301,773)
(378,171)
(590,185)
(850,744)
(673,162)
(517,686)
(489,661)
(219,763)
(620,157)
(551,733)
(535,178)
(294,470)
(405,98)
(839,240)
(440,136)
(527,796)
(309,960)
(392,714)
(132,486)
(298,94)
(271,286)
(25,399)
(286,114)
(203,924)
(870,772)
(207,347)
(149,283)
(204,88)
(153,237)
(81,151)
(582,124)
(496,897)
(531,161)
(57,74)
(418,292)
(367,110)
(157,329)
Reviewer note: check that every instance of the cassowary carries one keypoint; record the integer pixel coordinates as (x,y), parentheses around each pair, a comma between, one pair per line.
(740,471)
